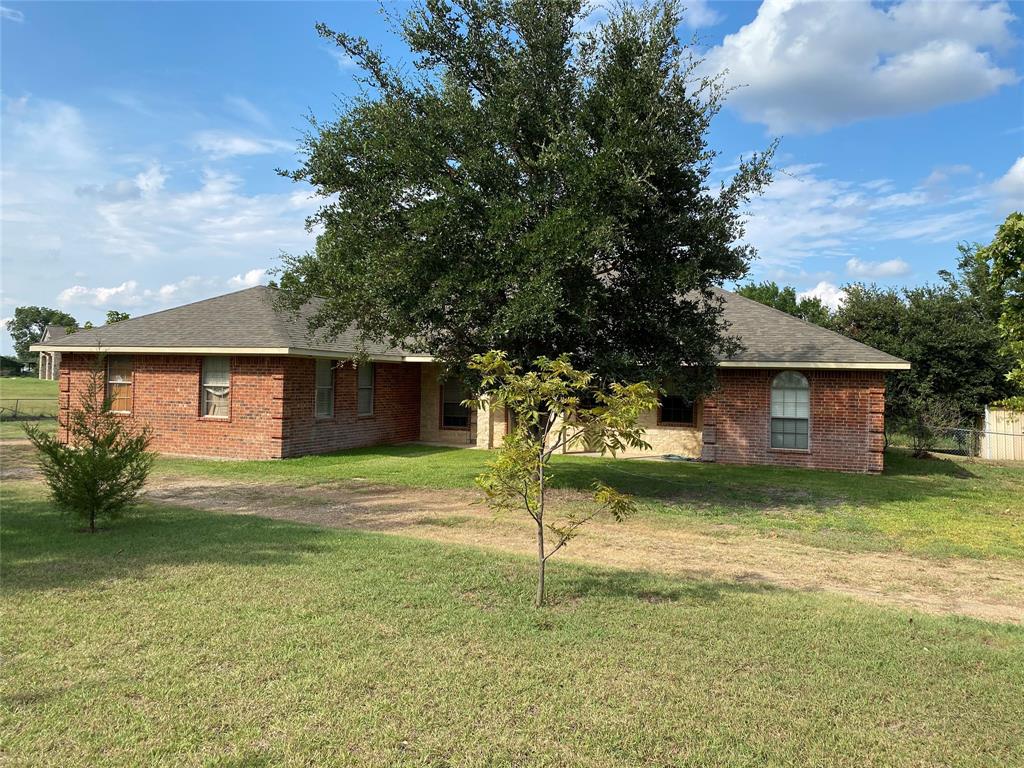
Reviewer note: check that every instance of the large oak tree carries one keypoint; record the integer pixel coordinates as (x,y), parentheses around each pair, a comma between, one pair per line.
(27,326)
(531,187)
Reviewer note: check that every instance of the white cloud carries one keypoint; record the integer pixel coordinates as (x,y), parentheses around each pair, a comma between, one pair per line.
(151,180)
(129,294)
(873,269)
(343,60)
(808,66)
(247,110)
(123,295)
(53,132)
(945,173)
(700,14)
(219,145)
(146,182)
(251,278)
(828,294)
(130,101)
(806,216)
(697,14)
(116,230)
(1011,185)
(180,291)
(11,14)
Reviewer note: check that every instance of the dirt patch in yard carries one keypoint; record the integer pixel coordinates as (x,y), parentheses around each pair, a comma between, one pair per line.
(986,589)
(18,460)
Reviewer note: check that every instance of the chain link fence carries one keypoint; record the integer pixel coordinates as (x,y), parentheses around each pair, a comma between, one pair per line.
(968,442)
(26,408)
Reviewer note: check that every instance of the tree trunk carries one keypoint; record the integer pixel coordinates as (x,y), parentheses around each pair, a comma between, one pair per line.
(540,529)
(540,566)
(92,521)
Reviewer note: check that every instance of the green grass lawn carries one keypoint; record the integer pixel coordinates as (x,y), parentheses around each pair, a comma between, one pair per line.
(13,430)
(12,387)
(35,398)
(933,507)
(184,637)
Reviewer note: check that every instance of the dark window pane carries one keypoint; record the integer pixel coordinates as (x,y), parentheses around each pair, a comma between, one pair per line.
(453,413)
(365,390)
(676,409)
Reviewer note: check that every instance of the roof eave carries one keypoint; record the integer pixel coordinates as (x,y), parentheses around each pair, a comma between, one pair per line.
(114,349)
(894,365)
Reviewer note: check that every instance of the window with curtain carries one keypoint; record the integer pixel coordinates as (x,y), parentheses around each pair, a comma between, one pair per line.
(364,393)
(324,407)
(454,415)
(119,383)
(790,411)
(216,389)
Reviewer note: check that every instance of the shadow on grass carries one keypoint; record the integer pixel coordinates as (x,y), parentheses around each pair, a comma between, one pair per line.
(902,463)
(415,465)
(648,587)
(905,479)
(45,550)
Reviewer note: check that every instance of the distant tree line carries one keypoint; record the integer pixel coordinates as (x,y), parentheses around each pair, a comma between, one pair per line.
(963,334)
(28,324)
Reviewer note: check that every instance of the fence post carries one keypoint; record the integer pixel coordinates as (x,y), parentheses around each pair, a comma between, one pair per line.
(15,408)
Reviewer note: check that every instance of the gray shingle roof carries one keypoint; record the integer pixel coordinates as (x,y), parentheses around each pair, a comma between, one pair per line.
(244,319)
(247,320)
(772,336)
(52,332)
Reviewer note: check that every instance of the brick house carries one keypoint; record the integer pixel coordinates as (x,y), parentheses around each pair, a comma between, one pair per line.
(232,377)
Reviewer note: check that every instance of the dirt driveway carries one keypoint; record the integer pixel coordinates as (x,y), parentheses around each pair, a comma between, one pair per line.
(985,589)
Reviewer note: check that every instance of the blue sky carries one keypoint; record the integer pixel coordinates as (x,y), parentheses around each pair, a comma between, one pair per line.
(139,140)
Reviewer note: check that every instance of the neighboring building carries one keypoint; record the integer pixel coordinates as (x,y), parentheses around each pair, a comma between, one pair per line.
(232,377)
(49,362)
(12,366)
(1002,435)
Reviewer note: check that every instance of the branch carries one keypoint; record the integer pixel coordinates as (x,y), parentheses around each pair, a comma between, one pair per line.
(566,534)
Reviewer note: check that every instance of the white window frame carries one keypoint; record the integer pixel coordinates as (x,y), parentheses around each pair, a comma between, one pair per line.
(790,402)
(319,388)
(363,387)
(204,386)
(130,382)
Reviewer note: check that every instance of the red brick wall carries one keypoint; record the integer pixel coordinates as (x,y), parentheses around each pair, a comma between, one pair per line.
(396,408)
(165,395)
(846,425)
(272,398)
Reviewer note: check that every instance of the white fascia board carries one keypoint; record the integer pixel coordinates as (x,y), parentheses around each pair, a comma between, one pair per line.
(377,358)
(282,351)
(900,365)
(114,349)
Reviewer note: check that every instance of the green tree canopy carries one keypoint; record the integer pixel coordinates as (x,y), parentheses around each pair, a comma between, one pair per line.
(1004,259)
(113,316)
(785,298)
(28,324)
(947,331)
(554,406)
(528,187)
(100,470)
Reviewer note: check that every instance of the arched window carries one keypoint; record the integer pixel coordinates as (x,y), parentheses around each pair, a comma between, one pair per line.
(790,411)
